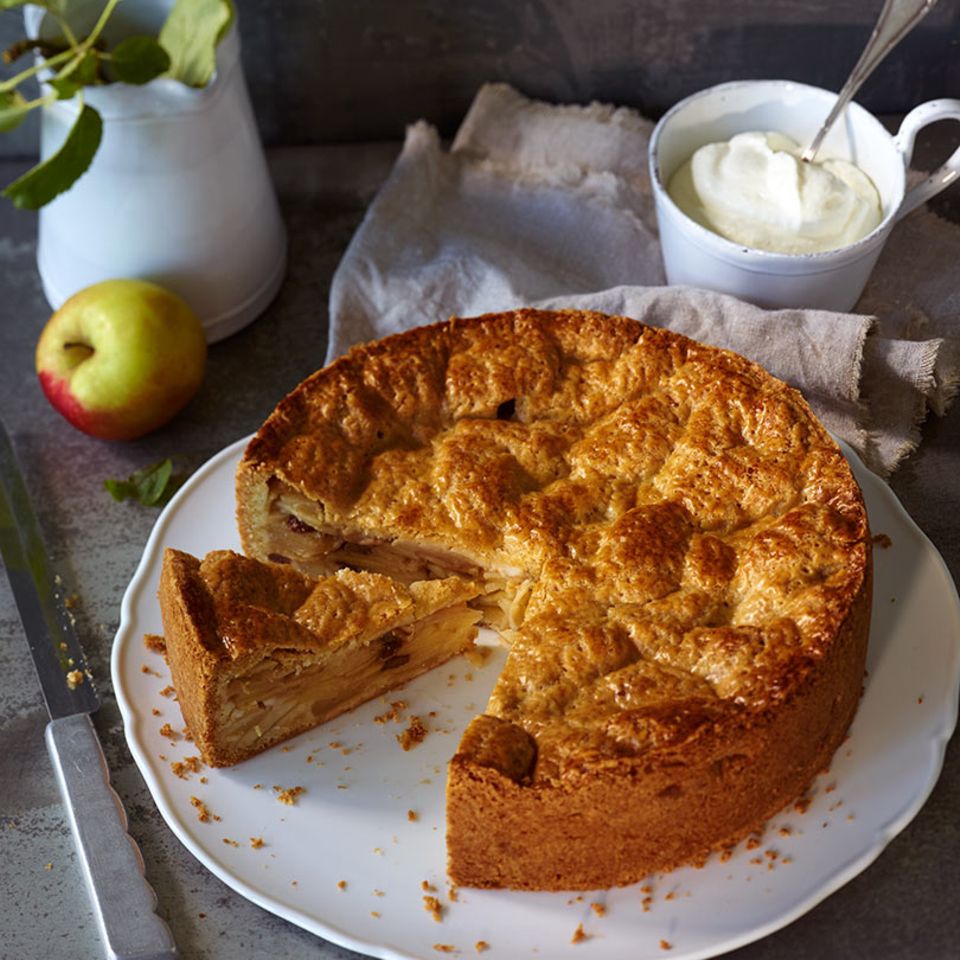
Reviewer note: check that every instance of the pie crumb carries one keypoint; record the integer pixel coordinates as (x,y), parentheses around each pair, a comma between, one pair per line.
(666,945)
(413,816)
(444,948)
(203,814)
(481,945)
(413,735)
(579,935)
(599,909)
(341,884)
(433,906)
(154,643)
(256,842)
(289,795)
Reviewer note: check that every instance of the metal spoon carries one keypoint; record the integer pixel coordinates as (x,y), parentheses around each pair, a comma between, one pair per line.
(897,19)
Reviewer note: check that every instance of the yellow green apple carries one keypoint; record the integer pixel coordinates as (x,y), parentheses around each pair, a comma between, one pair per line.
(120,358)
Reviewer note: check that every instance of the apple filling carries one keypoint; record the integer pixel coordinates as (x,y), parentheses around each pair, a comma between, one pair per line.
(286,693)
(296,533)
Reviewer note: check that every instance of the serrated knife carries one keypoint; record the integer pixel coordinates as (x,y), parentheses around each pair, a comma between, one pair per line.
(124,903)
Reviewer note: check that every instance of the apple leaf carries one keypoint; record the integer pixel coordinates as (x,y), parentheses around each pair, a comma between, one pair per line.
(13,108)
(86,74)
(152,486)
(139,59)
(59,172)
(191,34)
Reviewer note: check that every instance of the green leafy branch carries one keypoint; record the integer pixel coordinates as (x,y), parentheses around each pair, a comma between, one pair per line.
(184,50)
(152,486)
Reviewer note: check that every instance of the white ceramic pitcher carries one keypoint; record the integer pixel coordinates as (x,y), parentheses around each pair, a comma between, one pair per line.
(178,193)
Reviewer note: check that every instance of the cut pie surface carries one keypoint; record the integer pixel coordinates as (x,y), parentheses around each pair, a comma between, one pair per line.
(260,652)
(674,549)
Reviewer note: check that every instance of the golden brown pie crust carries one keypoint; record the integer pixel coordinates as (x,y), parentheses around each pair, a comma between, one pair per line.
(677,549)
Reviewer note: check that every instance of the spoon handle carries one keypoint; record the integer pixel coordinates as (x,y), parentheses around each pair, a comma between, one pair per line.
(897,19)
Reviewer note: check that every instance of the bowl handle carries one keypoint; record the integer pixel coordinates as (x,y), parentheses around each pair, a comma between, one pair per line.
(943,176)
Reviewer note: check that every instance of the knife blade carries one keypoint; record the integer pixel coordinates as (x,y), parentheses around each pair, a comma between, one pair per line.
(124,902)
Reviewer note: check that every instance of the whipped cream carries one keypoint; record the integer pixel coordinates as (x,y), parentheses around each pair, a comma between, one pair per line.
(755,190)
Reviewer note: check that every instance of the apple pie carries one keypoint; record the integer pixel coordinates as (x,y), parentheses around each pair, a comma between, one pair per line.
(259,652)
(673,549)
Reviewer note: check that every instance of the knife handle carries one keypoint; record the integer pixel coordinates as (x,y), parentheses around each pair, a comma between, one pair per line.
(125,904)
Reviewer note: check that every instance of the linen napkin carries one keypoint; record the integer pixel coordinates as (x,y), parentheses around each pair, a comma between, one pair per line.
(544,205)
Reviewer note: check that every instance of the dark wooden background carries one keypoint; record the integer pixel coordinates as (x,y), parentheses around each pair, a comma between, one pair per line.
(325,71)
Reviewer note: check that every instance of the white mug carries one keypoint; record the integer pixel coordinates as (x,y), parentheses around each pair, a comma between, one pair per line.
(832,279)
(178,193)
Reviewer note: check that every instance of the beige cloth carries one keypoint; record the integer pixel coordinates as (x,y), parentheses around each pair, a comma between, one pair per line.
(550,205)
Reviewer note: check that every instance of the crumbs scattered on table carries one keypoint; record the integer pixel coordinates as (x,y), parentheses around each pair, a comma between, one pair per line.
(256,842)
(202,916)
(413,816)
(579,935)
(413,735)
(394,714)
(288,795)
(167,731)
(155,643)
(433,906)
(203,814)
(74,679)
(183,768)
(48,866)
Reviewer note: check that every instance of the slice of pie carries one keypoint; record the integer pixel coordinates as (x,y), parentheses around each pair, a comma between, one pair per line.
(672,546)
(259,652)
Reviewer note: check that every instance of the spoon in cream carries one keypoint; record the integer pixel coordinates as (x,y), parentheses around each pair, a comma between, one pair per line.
(897,19)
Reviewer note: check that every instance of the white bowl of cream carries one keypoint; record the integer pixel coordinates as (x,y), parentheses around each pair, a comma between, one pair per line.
(739,212)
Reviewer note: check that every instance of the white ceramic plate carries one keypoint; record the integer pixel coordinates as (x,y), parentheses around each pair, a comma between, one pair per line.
(352,824)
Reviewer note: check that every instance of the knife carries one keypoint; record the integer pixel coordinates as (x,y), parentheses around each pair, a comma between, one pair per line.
(124,903)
